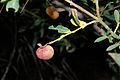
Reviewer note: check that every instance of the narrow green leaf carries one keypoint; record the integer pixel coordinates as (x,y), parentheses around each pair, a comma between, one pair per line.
(116,57)
(112,47)
(14,4)
(108,23)
(100,39)
(116,15)
(60,28)
(108,15)
(115,36)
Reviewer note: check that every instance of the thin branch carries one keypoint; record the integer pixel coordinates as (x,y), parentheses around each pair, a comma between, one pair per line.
(97,9)
(95,26)
(62,36)
(24,5)
(103,10)
(62,7)
(2,8)
(82,9)
(90,14)
(116,28)
(118,6)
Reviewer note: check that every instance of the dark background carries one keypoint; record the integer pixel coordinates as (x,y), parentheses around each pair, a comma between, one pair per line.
(20,32)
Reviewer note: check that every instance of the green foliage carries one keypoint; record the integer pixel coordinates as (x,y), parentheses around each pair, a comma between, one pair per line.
(113,46)
(60,28)
(108,16)
(110,38)
(116,57)
(108,35)
(116,15)
(115,36)
(2,1)
(100,39)
(105,36)
(14,4)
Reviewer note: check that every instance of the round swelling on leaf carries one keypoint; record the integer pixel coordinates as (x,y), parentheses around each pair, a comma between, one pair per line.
(52,13)
(45,52)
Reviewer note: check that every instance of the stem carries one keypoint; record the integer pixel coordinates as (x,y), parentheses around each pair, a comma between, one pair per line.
(116,28)
(2,8)
(97,9)
(62,36)
(90,14)
(113,8)
(24,5)
(82,9)
(105,8)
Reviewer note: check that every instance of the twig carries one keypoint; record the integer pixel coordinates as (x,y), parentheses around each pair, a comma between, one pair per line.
(90,14)
(97,8)
(105,8)
(2,8)
(97,29)
(62,6)
(24,5)
(62,36)
(116,28)
(82,9)
(113,8)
